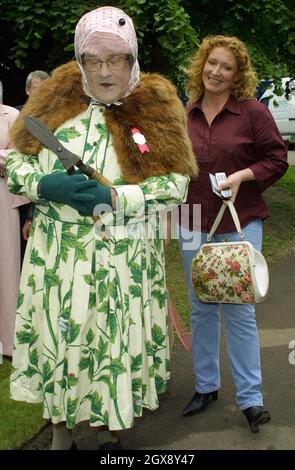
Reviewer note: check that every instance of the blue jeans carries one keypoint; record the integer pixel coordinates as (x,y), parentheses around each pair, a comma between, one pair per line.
(239,324)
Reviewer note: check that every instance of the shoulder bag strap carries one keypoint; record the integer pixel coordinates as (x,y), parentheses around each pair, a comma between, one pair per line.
(219,216)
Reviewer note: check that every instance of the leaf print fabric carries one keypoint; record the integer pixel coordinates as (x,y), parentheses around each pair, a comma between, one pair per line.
(91,331)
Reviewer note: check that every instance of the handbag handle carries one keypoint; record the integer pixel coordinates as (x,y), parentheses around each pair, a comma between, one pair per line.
(219,216)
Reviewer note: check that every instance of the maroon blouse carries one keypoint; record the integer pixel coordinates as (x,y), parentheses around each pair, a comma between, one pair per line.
(243,135)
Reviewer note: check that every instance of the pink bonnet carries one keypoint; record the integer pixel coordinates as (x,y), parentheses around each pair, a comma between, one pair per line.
(112,21)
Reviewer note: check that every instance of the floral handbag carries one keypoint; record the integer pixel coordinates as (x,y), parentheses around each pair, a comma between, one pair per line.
(229,272)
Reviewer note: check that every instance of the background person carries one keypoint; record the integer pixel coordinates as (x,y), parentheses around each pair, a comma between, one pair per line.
(94,298)
(231,133)
(9,237)
(33,81)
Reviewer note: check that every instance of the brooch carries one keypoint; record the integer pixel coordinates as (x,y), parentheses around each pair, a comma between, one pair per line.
(140,140)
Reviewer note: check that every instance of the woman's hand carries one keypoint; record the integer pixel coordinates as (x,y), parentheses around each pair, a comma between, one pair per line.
(26,229)
(234,181)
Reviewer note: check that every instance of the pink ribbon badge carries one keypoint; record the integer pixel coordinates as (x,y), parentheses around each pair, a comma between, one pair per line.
(140,140)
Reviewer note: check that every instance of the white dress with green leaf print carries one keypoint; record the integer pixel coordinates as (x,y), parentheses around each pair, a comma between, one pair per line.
(91,330)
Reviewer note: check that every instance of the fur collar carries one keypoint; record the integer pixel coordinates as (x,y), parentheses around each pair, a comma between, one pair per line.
(153,107)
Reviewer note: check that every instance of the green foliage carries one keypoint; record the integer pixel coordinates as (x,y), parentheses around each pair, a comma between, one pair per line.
(37,25)
(40,34)
(265,26)
(29,23)
(165,36)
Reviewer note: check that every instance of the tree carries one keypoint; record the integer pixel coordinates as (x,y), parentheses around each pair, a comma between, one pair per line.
(166,37)
(40,34)
(264,25)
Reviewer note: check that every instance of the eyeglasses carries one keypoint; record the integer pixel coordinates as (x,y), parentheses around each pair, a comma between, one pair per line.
(114,63)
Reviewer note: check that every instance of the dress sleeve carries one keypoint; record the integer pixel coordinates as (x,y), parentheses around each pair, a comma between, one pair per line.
(161,192)
(24,174)
(269,146)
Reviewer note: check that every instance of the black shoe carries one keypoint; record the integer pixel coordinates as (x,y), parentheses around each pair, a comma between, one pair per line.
(256,415)
(73,447)
(116,445)
(199,402)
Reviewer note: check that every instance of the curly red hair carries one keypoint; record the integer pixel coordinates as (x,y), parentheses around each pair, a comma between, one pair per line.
(246,80)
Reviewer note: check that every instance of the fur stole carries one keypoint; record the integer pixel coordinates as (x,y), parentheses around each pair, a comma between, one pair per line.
(153,107)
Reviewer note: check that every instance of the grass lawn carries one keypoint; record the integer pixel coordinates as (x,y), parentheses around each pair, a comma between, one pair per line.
(279,228)
(20,422)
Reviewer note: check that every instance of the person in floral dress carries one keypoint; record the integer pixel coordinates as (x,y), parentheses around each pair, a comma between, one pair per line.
(91,338)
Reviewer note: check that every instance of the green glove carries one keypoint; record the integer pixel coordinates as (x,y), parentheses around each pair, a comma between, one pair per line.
(66,189)
(99,194)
